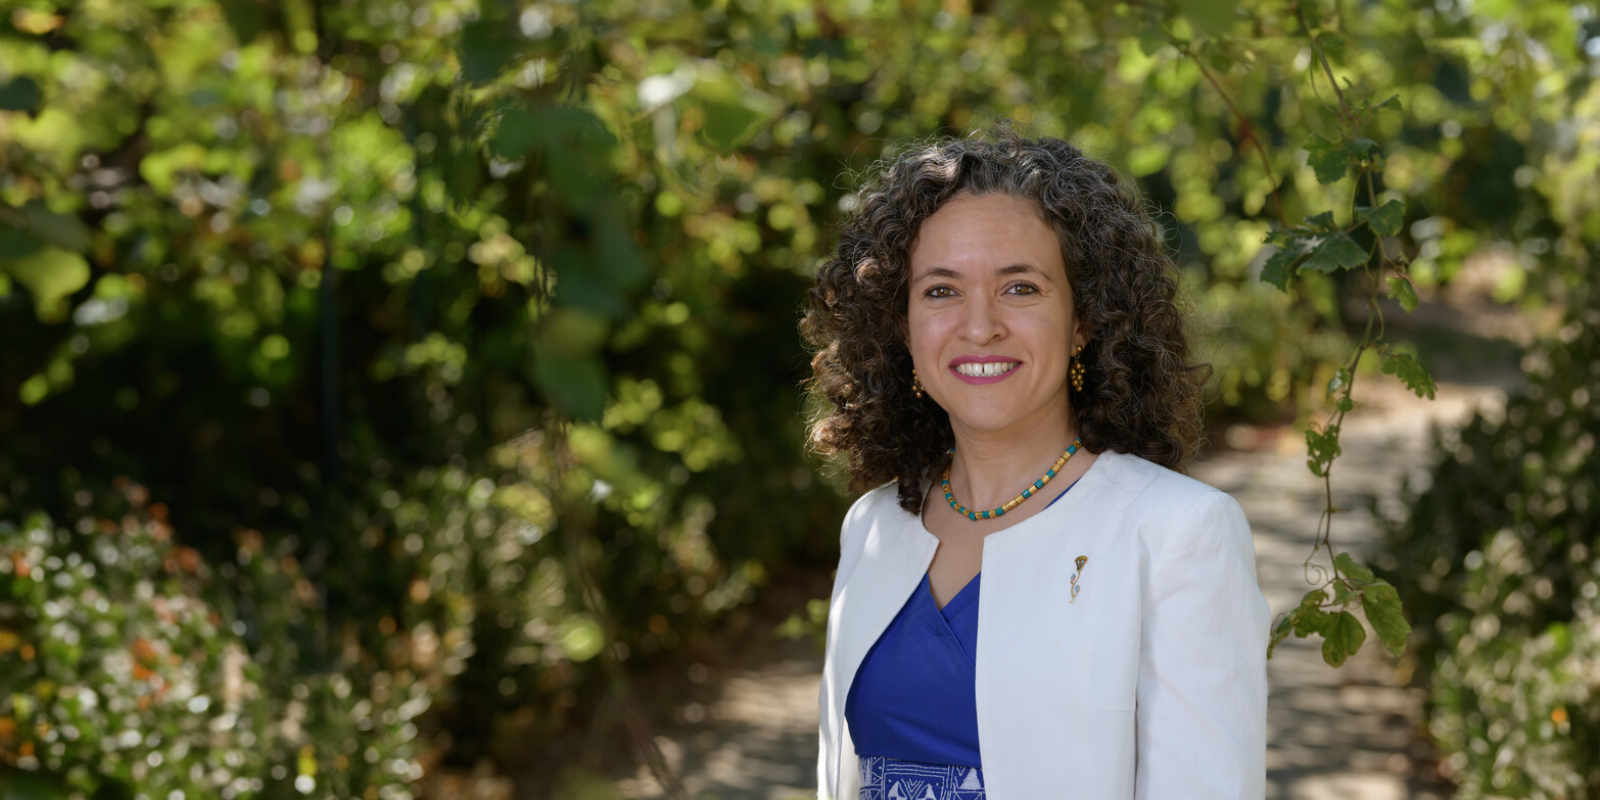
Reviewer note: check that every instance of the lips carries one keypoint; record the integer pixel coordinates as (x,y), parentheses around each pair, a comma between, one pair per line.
(980,370)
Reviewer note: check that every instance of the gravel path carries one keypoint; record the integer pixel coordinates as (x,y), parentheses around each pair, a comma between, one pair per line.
(1342,733)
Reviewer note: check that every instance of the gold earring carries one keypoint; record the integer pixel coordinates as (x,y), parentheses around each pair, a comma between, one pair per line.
(916,385)
(1075,372)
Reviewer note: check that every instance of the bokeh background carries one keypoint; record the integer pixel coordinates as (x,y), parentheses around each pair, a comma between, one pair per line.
(395,395)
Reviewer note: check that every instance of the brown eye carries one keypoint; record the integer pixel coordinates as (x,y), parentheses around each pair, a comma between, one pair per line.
(939,292)
(1024,289)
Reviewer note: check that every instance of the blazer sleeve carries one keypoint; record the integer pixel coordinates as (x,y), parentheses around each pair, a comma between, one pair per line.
(829,726)
(1201,716)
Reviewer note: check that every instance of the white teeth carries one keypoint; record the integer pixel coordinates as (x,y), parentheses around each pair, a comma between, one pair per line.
(973,369)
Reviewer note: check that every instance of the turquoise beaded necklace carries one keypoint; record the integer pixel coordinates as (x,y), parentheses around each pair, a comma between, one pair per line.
(1015,501)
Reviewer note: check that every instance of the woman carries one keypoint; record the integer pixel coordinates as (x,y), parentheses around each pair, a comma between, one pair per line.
(1032,603)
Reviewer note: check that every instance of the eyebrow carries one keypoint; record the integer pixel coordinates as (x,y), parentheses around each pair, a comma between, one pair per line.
(946,272)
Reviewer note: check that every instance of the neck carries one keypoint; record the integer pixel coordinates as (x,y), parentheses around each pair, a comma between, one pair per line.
(992,467)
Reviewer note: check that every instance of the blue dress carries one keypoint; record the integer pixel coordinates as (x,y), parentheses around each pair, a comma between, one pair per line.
(913,708)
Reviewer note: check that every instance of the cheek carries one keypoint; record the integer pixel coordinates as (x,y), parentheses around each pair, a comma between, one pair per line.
(925,330)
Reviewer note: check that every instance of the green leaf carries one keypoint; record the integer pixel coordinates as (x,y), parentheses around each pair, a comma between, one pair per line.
(580,636)
(1322,223)
(1280,631)
(1151,41)
(31,786)
(19,94)
(1283,237)
(574,331)
(1352,569)
(733,112)
(62,230)
(1338,251)
(1401,290)
(1312,13)
(575,384)
(51,274)
(580,284)
(488,46)
(1406,368)
(1393,102)
(1385,220)
(1310,621)
(15,243)
(619,258)
(1381,602)
(1278,266)
(1211,16)
(37,220)
(578,146)
(1323,447)
(1343,638)
(1329,160)
(247,18)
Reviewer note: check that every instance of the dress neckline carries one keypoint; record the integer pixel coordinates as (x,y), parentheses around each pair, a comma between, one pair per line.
(961,599)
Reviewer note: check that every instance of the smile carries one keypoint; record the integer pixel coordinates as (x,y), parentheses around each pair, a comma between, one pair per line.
(974,369)
(982,372)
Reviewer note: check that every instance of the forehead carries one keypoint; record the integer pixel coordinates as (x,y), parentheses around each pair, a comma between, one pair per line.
(983,232)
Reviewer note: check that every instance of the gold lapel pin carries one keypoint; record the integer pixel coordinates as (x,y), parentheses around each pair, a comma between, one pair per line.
(1075,587)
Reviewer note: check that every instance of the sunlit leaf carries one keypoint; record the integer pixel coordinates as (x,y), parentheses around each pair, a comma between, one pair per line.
(1405,367)
(1352,569)
(1343,638)
(1401,290)
(733,112)
(581,637)
(1381,602)
(51,274)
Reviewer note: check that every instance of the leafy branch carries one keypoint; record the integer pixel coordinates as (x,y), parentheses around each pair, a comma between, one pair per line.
(1322,245)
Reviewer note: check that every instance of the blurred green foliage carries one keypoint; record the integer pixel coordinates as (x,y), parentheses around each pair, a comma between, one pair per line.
(1498,556)
(456,340)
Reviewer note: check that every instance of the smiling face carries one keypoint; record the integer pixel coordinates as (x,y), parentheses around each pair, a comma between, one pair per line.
(990,322)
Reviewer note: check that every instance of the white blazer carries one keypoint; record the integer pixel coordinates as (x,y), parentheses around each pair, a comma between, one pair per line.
(1152,685)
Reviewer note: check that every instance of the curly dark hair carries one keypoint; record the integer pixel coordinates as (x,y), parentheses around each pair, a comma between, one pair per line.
(1141,395)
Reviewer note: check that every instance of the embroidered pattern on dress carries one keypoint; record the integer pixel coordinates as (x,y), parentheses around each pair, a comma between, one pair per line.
(893,779)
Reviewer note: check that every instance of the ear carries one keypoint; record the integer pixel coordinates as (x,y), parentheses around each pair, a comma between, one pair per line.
(1083,336)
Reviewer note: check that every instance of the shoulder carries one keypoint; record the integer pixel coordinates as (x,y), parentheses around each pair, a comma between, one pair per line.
(879,508)
(875,505)
(1171,509)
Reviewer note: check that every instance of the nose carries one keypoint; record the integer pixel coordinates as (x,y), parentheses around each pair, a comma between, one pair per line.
(981,321)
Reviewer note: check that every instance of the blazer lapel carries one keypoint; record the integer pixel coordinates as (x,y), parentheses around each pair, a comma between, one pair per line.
(894,558)
(895,554)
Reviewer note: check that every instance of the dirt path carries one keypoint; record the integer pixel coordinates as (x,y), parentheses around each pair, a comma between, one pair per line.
(1341,733)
